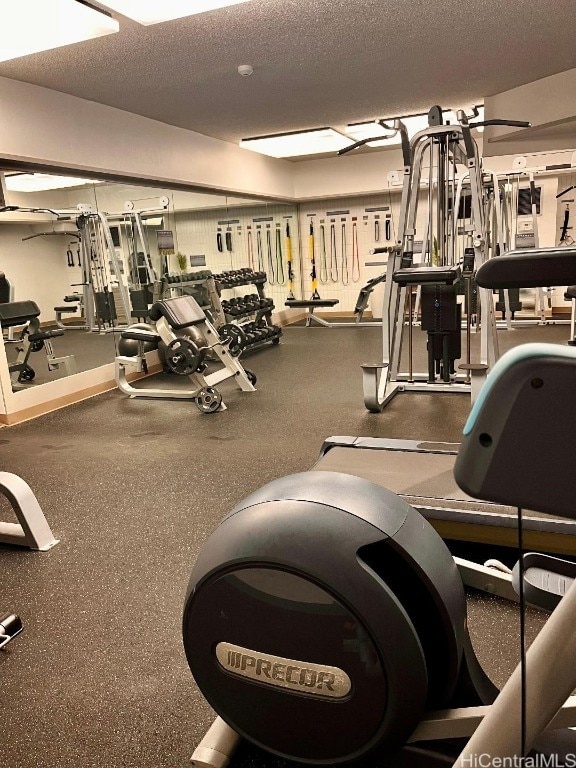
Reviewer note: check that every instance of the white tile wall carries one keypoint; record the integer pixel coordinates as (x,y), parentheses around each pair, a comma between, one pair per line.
(334,286)
(195,235)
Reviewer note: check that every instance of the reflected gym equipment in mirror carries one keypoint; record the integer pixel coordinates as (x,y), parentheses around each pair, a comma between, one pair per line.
(81,263)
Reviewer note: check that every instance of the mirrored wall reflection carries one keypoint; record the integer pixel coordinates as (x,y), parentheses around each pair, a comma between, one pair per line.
(41,260)
(83,259)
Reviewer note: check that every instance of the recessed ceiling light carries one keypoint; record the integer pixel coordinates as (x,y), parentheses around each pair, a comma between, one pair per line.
(299,143)
(155,11)
(29,26)
(41,182)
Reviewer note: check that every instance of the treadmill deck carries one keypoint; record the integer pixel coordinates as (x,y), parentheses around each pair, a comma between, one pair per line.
(422,474)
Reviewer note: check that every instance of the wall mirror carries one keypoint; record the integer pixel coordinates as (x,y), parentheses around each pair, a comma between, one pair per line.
(83,259)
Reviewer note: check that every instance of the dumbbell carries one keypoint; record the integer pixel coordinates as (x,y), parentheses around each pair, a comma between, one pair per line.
(242,305)
(250,331)
(251,304)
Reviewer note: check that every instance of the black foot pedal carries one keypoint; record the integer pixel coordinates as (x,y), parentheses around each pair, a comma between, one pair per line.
(546,579)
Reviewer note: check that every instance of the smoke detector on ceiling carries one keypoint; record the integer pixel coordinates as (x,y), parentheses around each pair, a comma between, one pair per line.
(245,70)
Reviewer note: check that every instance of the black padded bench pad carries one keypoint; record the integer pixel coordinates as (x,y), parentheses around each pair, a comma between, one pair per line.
(425,275)
(18,313)
(181,312)
(311,303)
(140,335)
(529,268)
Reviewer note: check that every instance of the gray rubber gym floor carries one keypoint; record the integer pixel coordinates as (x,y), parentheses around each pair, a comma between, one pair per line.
(133,488)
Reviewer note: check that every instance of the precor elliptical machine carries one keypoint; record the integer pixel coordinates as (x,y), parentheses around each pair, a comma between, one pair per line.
(325,620)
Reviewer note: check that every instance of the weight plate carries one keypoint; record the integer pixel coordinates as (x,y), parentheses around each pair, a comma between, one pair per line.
(27,374)
(234,336)
(183,356)
(208,400)
(251,376)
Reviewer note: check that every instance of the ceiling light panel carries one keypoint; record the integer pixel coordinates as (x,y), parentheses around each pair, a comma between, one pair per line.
(149,12)
(29,26)
(299,144)
(41,182)
(360,131)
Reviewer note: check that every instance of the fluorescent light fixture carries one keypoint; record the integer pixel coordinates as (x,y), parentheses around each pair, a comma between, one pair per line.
(413,123)
(299,143)
(31,26)
(360,131)
(148,12)
(41,182)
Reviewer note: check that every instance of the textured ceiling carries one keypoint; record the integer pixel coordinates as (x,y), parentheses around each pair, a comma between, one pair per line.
(317,62)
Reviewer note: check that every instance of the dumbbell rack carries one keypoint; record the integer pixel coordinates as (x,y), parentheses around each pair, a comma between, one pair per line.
(260,330)
(173,285)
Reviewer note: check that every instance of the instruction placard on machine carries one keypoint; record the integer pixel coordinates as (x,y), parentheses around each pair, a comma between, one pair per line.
(165,238)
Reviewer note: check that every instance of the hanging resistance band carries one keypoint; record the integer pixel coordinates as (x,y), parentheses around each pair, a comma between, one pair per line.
(250,249)
(219,242)
(376,230)
(229,240)
(345,275)
(355,254)
(70,257)
(289,261)
(315,294)
(388,229)
(259,248)
(279,258)
(334,275)
(272,275)
(323,264)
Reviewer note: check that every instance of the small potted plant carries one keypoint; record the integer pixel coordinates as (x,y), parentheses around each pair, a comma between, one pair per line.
(182,262)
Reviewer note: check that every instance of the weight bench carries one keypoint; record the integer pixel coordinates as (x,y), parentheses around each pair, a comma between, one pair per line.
(26,314)
(311,305)
(184,355)
(72,303)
